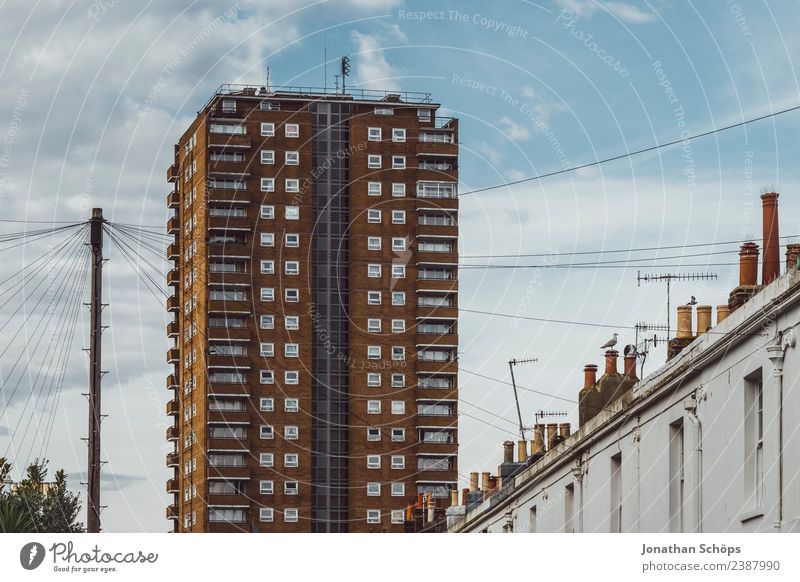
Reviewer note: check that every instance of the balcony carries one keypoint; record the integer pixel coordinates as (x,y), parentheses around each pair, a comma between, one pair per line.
(172,329)
(228,141)
(172,382)
(172,485)
(425,367)
(173,408)
(173,252)
(173,200)
(232,278)
(173,278)
(228,416)
(240,250)
(223,306)
(230,223)
(173,433)
(173,226)
(172,304)
(228,333)
(229,472)
(173,356)
(172,512)
(228,195)
(172,173)
(172,460)
(241,362)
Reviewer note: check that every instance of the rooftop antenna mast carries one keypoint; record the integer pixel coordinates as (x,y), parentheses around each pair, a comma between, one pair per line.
(647,341)
(511,364)
(668,278)
(345,70)
(540,414)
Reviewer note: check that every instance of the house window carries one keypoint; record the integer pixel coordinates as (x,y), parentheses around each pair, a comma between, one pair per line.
(616,493)
(532,525)
(292,185)
(291,405)
(268,157)
(266,514)
(373,297)
(268,185)
(373,434)
(424,114)
(292,267)
(267,212)
(398,462)
(374,134)
(398,271)
(292,295)
(373,271)
(267,129)
(291,350)
(397,516)
(374,325)
(291,377)
(267,377)
(266,322)
(267,294)
(267,239)
(384,111)
(373,516)
(398,189)
(398,489)
(373,461)
(398,380)
(373,352)
(398,162)
(291,460)
(374,216)
(569,508)
(373,489)
(292,213)
(292,159)
(266,459)
(398,353)
(290,515)
(373,161)
(754,441)
(290,488)
(398,435)
(292,130)
(267,432)
(267,267)
(291,433)
(398,216)
(373,406)
(398,407)
(374,243)
(267,350)
(676,477)
(292,240)
(398,244)
(374,188)
(266,487)
(292,322)
(398,134)
(398,325)
(398,298)
(373,379)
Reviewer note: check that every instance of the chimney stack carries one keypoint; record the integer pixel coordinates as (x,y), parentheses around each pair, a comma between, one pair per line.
(703,319)
(464,496)
(492,482)
(552,433)
(630,365)
(723,311)
(563,431)
(537,446)
(522,452)
(748,264)
(485,482)
(473,481)
(611,362)
(508,452)
(792,252)
(684,322)
(771,267)
(589,376)
(454,497)
(420,500)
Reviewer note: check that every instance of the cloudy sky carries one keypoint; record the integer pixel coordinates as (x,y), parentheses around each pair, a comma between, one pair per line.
(94,94)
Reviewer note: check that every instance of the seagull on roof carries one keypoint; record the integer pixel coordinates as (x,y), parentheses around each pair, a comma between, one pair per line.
(610,343)
(692,301)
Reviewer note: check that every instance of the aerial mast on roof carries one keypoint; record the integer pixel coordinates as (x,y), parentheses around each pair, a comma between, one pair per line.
(669,277)
(345,71)
(511,364)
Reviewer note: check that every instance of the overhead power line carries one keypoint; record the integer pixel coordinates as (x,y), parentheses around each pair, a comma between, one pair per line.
(631,154)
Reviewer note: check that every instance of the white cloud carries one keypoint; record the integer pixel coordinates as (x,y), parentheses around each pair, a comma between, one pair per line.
(372,68)
(622,10)
(375,4)
(490,152)
(513,130)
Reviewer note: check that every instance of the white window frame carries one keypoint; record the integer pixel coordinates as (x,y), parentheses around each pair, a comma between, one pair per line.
(373,461)
(266,460)
(373,380)
(374,297)
(291,405)
(267,267)
(398,407)
(398,189)
(398,297)
(398,134)
(266,349)
(373,516)
(373,438)
(398,462)
(373,489)
(373,243)
(292,185)
(268,185)
(374,325)
(398,216)
(268,157)
(291,268)
(267,239)
(373,406)
(398,271)
(374,188)
(266,487)
(398,489)
(291,322)
(291,295)
(291,460)
(267,212)
(291,130)
(373,352)
(374,216)
(291,158)
(291,515)
(374,161)
(398,162)
(291,433)
(266,515)
(290,243)
(291,350)
(267,129)
(291,377)
(268,430)
(374,271)
(398,326)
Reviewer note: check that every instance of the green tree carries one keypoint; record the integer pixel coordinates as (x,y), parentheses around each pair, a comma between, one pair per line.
(48,507)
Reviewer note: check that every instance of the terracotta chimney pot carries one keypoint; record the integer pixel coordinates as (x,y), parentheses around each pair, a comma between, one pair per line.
(771,267)
(748,264)
(703,319)
(723,311)
(611,362)
(684,321)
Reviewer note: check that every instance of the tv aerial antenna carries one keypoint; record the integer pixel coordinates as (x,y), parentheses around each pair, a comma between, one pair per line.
(511,364)
(668,278)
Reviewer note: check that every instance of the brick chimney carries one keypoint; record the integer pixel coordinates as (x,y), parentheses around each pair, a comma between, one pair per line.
(537,446)
(508,452)
(683,335)
(792,252)
(771,267)
(589,376)
(630,365)
(748,276)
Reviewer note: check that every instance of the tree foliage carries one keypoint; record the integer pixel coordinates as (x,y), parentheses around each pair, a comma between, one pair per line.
(36,504)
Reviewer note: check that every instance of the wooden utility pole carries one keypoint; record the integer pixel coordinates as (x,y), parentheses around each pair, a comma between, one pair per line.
(95,370)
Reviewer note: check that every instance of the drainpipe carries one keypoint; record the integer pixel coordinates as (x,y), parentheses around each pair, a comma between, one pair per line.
(577,472)
(690,406)
(775,353)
